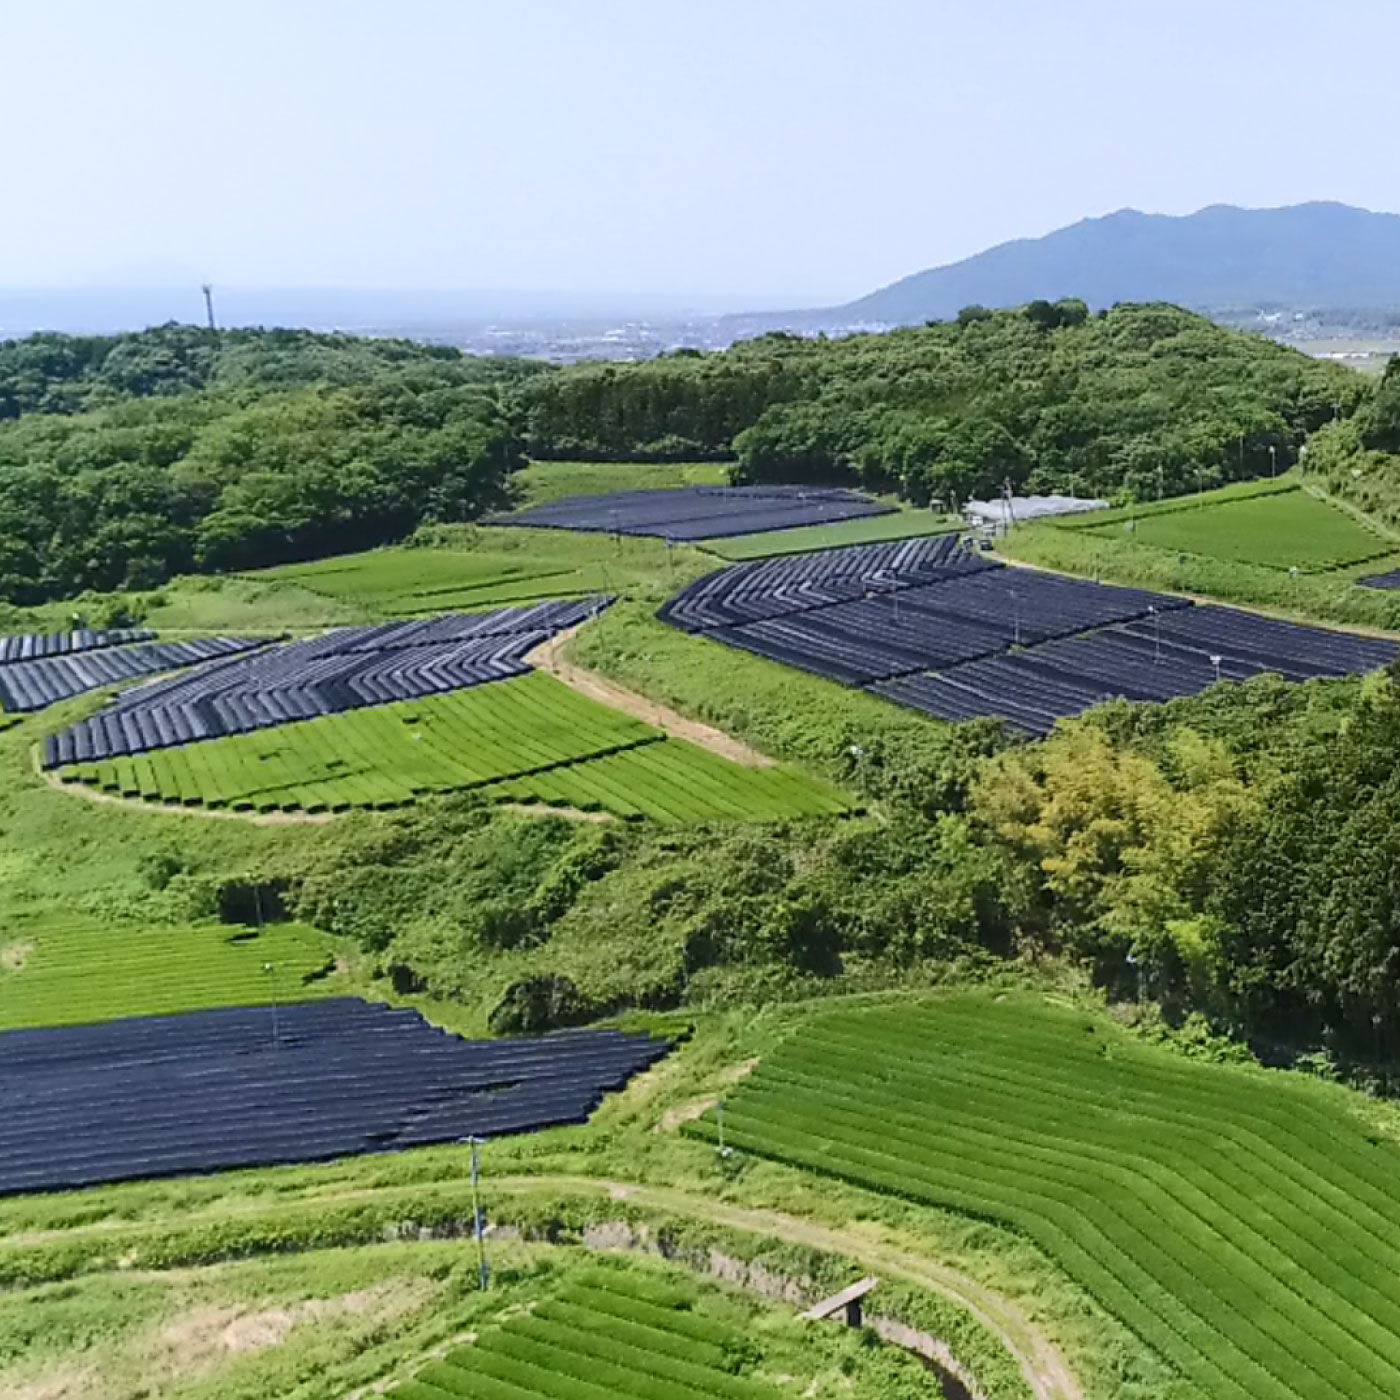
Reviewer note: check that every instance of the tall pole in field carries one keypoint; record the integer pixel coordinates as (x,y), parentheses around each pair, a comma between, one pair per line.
(478,1223)
(209,305)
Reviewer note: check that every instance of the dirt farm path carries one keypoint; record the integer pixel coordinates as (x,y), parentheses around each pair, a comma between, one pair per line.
(549,657)
(1044,1366)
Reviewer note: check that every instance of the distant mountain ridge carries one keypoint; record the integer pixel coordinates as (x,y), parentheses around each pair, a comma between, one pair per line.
(1221,257)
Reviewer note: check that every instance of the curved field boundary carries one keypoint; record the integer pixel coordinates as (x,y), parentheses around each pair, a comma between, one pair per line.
(1245,1228)
(224,1230)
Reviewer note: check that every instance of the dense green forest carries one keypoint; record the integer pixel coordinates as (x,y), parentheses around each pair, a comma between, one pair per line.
(1137,402)
(125,460)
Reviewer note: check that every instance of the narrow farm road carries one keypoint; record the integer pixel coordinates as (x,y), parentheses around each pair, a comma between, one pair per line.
(1042,1363)
(549,656)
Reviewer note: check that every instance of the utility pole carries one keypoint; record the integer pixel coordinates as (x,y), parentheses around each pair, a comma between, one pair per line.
(209,305)
(478,1223)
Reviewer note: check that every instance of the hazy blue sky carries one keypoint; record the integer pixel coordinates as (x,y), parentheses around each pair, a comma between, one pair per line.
(751,150)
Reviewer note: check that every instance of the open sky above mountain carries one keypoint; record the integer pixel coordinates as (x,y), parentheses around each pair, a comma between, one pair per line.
(793,152)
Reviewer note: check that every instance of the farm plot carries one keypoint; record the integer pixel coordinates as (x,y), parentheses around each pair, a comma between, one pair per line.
(930,625)
(344,670)
(60,972)
(380,756)
(211,1090)
(937,625)
(407,582)
(1169,655)
(604,1332)
(526,740)
(1244,1224)
(1284,529)
(29,685)
(698,513)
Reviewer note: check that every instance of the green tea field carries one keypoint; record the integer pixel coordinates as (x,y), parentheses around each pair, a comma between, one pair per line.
(531,739)
(1244,1225)
(1279,529)
(57,972)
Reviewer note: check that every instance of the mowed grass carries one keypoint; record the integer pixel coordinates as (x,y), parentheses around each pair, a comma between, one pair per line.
(57,972)
(1244,1224)
(870,529)
(1281,530)
(531,739)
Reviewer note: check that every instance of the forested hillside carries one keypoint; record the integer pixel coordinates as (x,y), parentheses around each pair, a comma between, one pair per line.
(1139,402)
(128,459)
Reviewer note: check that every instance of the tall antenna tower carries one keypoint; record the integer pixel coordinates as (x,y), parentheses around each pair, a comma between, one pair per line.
(209,304)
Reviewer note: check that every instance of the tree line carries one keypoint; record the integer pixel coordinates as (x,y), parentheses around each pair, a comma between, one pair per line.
(1134,403)
(126,460)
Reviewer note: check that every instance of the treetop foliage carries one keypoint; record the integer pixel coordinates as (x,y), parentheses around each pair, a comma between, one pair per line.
(127,459)
(1136,402)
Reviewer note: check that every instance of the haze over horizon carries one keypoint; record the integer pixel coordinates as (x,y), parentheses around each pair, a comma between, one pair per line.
(787,154)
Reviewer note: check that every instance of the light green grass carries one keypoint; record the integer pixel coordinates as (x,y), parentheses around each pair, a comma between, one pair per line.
(555,481)
(476,569)
(57,972)
(1282,530)
(1243,1224)
(549,743)
(869,529)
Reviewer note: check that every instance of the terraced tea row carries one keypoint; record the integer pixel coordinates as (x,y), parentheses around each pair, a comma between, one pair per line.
(343,670)
(1245,1225)
(26,686)
(70,971)
(1280,528)
(41,646)
(526,740)
(605,1335)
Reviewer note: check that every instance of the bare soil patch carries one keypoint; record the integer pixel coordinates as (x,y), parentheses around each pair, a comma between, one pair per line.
(548,656)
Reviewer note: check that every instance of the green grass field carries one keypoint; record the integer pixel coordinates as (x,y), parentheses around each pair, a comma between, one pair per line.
(1279,530)
(56,972)
(870,529)
(540,482)
(526,740)
(1245,1225)
(481,568)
